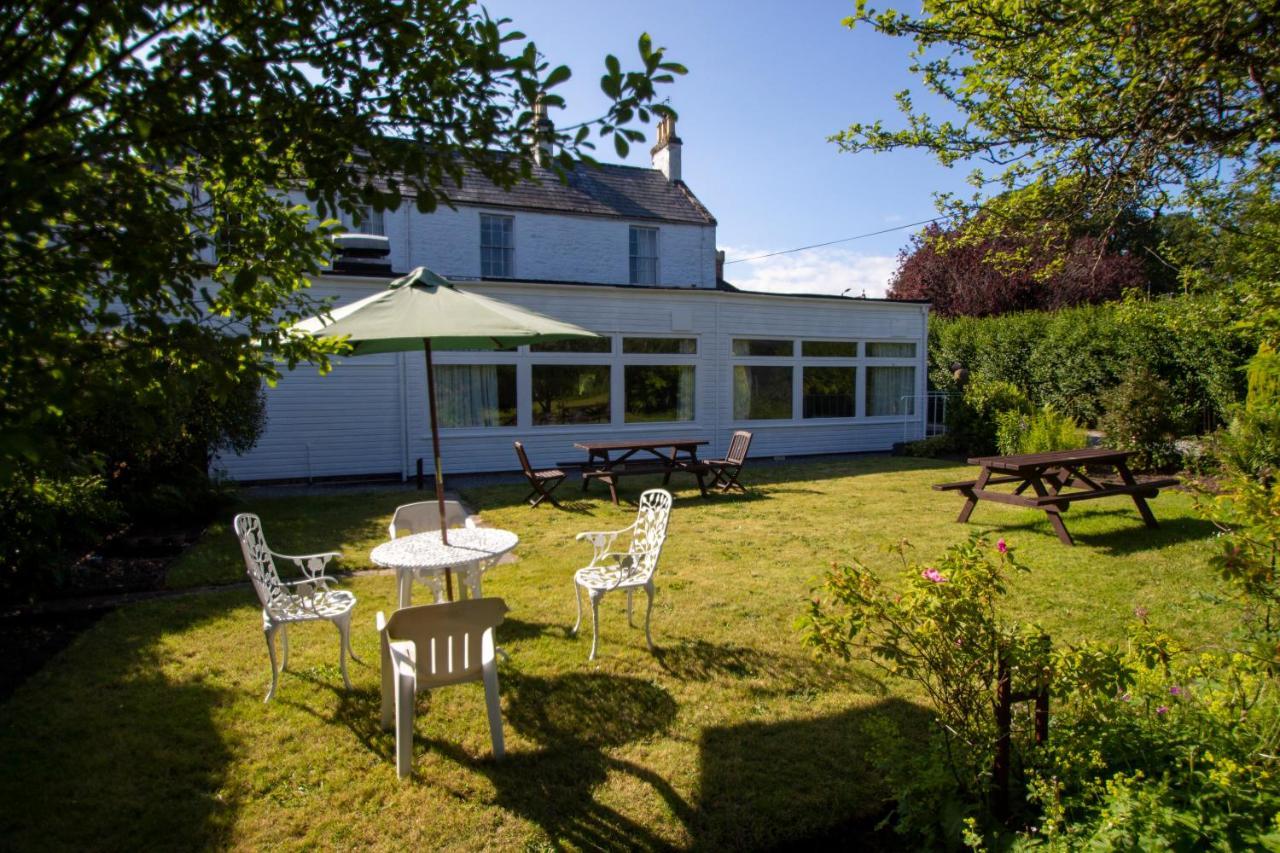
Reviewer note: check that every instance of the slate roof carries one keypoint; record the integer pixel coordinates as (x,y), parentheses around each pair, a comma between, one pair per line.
(628,192)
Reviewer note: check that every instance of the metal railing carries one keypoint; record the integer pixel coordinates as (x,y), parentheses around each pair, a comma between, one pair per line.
(933,405)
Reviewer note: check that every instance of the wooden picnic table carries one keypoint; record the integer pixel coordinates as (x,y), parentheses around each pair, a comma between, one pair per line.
(662,456)
(1049,474)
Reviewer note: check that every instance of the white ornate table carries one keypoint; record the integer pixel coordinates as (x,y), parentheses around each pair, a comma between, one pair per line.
(471,550)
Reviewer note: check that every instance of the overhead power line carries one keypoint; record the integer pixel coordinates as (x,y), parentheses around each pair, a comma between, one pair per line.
(833,242)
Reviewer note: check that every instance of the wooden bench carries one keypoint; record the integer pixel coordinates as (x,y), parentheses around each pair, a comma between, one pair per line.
(969,484)
(1148,489)
(1044,477)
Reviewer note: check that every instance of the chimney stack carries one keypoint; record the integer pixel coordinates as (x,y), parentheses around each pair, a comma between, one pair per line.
(719,265)
(666,153)
(543,130)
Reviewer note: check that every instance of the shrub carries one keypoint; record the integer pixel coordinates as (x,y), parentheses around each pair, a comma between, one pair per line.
(47,523)
(942,629)
(1140,418)
(1250,444)
(1179,757)
(926,448)
(971,420)
(1036,433)
(1264,379)
(1150,747)
(1071,358)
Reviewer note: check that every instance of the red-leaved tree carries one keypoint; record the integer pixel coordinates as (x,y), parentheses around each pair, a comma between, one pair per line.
(967,279)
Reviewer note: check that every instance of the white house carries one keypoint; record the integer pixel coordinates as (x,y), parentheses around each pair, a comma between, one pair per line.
(629,253)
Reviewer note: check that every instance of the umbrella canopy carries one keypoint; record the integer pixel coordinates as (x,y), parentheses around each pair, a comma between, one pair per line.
(422,310)
(424,306)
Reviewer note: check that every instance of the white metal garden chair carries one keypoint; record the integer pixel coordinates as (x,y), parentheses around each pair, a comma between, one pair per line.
(628,570)
(435,645)
(284,602)
(424,517)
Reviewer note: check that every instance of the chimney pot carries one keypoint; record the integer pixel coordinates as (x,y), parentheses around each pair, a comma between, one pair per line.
(543,131)
(666,152)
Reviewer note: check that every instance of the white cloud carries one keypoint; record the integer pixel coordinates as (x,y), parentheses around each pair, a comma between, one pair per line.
(829,271)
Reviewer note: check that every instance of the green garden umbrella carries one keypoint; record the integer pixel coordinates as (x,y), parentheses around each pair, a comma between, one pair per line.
(422,309)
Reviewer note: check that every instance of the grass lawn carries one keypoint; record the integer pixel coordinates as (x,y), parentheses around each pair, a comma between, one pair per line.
(150,730)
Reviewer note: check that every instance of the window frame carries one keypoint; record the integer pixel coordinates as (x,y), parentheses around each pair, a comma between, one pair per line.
(633,257)
(798,362)
(370,218)
(508,251)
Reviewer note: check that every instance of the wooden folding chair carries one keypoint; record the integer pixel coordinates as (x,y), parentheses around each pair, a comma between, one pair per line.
(726,470)
(542,482)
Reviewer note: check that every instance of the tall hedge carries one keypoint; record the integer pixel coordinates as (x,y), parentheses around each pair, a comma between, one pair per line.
(1071,358)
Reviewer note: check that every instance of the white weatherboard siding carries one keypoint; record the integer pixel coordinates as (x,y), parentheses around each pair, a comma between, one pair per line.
(368,416)
(448,242)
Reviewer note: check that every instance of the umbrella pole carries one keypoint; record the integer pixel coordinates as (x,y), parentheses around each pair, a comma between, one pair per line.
(435,449)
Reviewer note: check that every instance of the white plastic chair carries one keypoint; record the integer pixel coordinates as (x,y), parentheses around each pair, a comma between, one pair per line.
(424,517)
(284,602)
(627,570)
(435,645)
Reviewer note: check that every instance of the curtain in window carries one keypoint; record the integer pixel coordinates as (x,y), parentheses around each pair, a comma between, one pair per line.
(467,395)
(684,402)
(891,391)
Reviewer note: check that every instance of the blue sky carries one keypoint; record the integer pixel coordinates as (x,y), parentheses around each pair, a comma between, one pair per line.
(768,82)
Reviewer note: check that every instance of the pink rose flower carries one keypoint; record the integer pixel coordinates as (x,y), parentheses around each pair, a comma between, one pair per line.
(933,575)
(1175,690)
(1002,547)
(1162,710)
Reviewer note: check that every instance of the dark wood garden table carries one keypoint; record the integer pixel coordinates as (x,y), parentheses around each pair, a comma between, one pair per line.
(1047,475)
(661,456)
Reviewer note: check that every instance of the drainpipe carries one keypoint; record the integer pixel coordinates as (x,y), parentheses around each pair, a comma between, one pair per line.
(720,368)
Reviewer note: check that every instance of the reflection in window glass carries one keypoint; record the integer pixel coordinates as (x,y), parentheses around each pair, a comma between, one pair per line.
(884,349)
(891,391)
(604,344)
(761,393)
(570,394)
(829,392)
(829,349)
(476,395)
(659,392)
(661,346)
(757,346)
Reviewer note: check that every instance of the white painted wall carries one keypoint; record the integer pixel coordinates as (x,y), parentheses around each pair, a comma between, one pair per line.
(550,247)
(368,416)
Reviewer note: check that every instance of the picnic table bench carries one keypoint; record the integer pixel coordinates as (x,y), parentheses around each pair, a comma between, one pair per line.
(663,456)
(1048,474)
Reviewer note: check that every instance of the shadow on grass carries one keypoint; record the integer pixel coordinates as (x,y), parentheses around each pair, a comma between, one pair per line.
(575,719)
(1129,536)
(102,751)
(794,783)
(1142,538)
(359,710)
(802,781)
(700,660)
(515,630)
